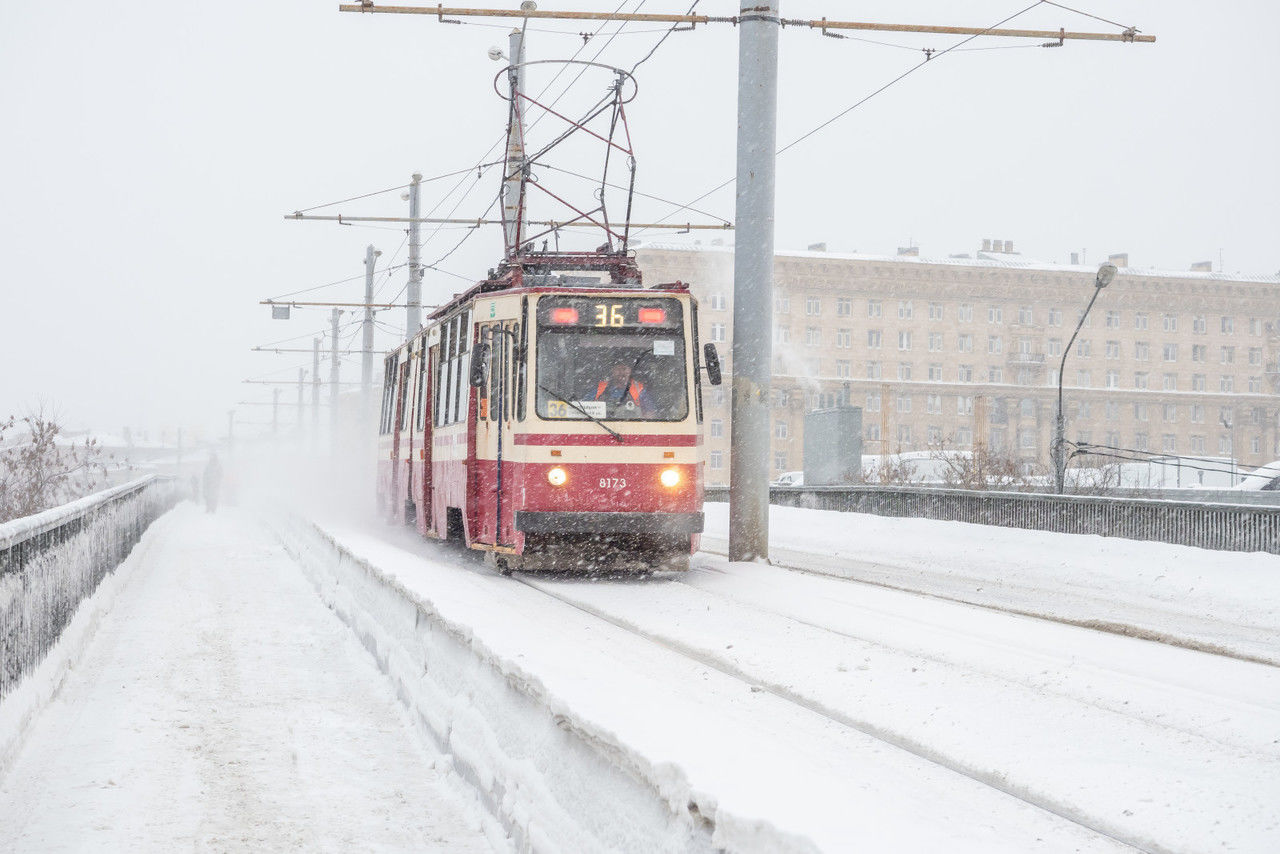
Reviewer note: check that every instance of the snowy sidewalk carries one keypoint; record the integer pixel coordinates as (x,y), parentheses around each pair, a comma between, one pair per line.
(220,706)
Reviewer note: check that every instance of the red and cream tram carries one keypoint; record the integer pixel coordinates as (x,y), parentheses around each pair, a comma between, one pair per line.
(551,416)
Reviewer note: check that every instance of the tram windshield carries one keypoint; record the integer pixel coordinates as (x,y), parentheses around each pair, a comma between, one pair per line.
(611,358)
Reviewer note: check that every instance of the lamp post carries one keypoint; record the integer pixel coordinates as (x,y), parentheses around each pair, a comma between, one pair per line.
(1106,273)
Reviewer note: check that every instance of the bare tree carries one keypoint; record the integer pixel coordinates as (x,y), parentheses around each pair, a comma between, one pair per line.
(37,471)
(982,468)
(892,470)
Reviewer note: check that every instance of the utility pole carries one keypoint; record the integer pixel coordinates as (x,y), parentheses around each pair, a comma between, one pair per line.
(275,411)
(753,280)
(366,358)
(315,391)
(302,376)
(413,295)
(333,378)
(513,207)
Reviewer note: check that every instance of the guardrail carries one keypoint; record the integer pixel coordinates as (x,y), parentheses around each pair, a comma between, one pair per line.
(51,561)
(1205,524)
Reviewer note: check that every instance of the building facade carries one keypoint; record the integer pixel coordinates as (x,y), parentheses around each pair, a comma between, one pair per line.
(965,351)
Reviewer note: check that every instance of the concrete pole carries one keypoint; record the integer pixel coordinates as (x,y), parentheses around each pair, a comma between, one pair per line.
(275,412)
(366,357)
(315,392)
(753,280)
(333,377)
(513,199)
(413,300)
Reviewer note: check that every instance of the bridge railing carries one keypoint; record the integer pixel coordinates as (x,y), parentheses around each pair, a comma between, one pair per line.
(1205,524)
(51,561)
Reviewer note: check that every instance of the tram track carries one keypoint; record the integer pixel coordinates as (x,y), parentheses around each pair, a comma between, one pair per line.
(991,778)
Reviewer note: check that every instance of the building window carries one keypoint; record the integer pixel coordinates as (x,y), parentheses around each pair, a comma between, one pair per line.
(1027,408)
(964,405)
(781,397)
(782,305)
(1199,325)
(844,339)
(717,301)
(964,373)
(780,462)
(873,308)
(1170,322)
(903,403)
(1024,346)
(717,332)
(904,434)
(935,372)
(1141,442)
(844,307)
(934,435)
(935,311)
(1027,439)
(1083,348)
(1227,383)
(964,437)
(812,306)
(1170,352)
(1111,410)
(1199,353)
(1228,325)
(964,312)
(935,342)
(1082,379)
(1055,347)
(874,338)
(995,314)
(1025,315)
(1140,320)
(1169,443)
(1142,351)
(873,403)
(782,335)
(904,340)
(1113,350)
(1170,382)
(1255,385)
(1113,379)
(995,374)
(844,368)
(779,429)
(904,370)
(1224,444)
(1199,382)
(1140,380)
(1255,356)
(904,310)
(717,428)
(716,460)
(995,344)
(1197,413)
(812,336)
(1083,410)
(933,404)
(964,343)
(1055,317)
(873,370)
(1255,326)
(1113,320)
(1197,444)
(1228,355)
(873,432)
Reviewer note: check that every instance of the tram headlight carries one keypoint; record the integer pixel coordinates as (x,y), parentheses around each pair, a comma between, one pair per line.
(670,478)
(557,476)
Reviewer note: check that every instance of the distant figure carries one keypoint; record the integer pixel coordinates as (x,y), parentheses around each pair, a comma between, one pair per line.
(621,390)
(212,483)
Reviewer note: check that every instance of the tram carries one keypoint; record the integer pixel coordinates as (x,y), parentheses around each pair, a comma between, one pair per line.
(551,416)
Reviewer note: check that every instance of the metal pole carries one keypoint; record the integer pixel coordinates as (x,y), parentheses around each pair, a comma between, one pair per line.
(513,208)
(753,280)
(413,310)
(315,391)
(333,377)
(366,358)
(302,377)
(1059,433)
(275,411)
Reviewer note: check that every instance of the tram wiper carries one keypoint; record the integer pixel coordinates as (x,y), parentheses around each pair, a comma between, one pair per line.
(561,396)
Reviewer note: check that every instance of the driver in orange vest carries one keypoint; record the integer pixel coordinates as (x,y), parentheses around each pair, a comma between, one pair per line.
(621,389)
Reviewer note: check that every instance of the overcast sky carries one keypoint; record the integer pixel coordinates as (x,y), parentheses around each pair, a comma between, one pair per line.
(149,150)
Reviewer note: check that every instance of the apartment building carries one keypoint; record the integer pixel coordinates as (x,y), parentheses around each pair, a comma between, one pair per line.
(965,350)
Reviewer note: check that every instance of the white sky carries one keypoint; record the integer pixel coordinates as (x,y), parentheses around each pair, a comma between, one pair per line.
(149,150)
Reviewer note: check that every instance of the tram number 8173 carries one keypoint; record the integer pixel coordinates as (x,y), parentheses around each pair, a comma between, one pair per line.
(613,483)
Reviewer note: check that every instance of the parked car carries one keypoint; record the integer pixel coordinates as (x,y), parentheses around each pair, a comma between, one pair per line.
(1262,479)
(790,478)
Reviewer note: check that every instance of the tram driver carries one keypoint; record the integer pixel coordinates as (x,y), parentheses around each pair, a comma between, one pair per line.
(622,390)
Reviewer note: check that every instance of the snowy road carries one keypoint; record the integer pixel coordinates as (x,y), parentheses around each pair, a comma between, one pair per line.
(221,707)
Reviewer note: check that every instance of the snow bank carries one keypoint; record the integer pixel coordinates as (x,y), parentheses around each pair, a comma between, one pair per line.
(555,781)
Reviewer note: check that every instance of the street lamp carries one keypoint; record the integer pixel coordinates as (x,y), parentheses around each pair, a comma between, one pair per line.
(1106,273)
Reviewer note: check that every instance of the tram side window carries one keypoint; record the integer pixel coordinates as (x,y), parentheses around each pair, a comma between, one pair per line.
(451,370)
(388,395)
(697,362)
(522,359)
(462,363)
(420,402)
(402,394)
(445,384)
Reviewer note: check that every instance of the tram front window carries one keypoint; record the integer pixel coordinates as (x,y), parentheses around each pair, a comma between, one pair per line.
(611,359)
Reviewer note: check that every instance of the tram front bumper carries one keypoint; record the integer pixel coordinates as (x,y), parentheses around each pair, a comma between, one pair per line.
(572,522)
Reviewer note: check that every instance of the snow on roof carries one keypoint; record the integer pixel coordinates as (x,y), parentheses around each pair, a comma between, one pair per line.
(984,259)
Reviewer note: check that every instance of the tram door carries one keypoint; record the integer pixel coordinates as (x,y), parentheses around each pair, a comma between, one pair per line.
(496,416)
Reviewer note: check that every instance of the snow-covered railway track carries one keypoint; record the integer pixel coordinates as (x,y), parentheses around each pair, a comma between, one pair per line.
(1118,735)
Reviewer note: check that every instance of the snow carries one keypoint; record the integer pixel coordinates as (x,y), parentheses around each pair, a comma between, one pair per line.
(220,706)
(1212,600)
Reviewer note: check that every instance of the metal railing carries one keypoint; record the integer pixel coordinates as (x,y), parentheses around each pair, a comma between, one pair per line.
(51,561)
(1204,524)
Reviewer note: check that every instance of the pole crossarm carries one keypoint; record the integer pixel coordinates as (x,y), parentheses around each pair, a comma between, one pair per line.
(297,304)
(476,223)
(440,12)
(293,350)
